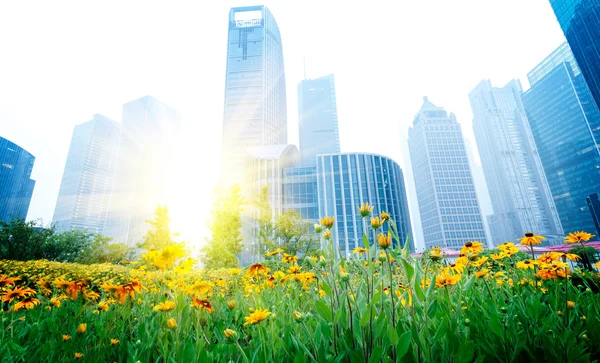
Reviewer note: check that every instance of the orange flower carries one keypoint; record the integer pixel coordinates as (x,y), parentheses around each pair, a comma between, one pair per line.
(202,304)
(78,355)
(327,222)
(114,341)
(66,337)
(17,292)
(171,323)
(578,236)
(28,303)
(530,239)
(6,281)
(445,280)
(82,328)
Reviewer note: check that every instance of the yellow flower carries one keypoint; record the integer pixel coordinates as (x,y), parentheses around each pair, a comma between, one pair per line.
(384,216)
(570,304)
(435,253)
(171,323)
(527,264)
(17,293)
(28,303)
(256,270)
(472,247)
(78,355)
(321,293)
(497,256)
(235,271)
(360,250)
(273,253)
(230,333)
(7,281)
(165,306)
(365,210)
(482,273)
(479,262)
(297,315)
(578,236)
(445,280)
(384,241)
(327,222)
(82,328)
(457,267)
(376,223)
(289,258)
(294,269)
(55,301)
(66,337)
(231,304)
(114,341)
(327,234)
(530,239)
(597,265)
(257,316)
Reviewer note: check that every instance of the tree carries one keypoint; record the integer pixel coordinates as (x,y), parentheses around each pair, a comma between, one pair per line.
(225,242)
(266,227)
(100,250)
(159,235)
(20,240)
(294,234)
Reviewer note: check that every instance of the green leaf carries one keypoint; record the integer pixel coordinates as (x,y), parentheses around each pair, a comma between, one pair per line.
(466,350)
(403,344)
(323,310)
(326,288)
(365,241)
(410,271)
(392,334)
(496,327)
(376,354)
(364,319)
(418,289)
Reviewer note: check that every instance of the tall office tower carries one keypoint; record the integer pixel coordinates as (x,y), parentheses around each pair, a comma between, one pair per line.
(16,185)
(145,167)
(317,119)
(593,202)
(448,204)
(255,100)
(518,188)
(565,124)
(88,177)
(345,181)
(580,22)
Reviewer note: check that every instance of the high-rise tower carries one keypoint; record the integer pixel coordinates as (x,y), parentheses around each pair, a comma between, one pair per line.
(317,119)
(88,177)
(513,171)
(16,185)
(255,99)
(448,204)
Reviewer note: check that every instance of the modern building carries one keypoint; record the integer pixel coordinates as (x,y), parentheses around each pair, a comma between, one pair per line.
(565,124)
(580,22)
(317,119)
(345,181)
(516,181)
(593,201)
(88,177)
(145,167)
(255,111)
(16,185)
(448,205)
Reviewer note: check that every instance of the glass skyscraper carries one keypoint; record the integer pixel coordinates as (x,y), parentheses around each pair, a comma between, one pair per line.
(345,181)
(580,22)
(448,204)
(145,167)
(317,118)
(16,185)
(88,177)
(255,98)
(516,181)
(565,123)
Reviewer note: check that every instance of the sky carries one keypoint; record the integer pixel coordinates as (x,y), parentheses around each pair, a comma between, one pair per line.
(62,62)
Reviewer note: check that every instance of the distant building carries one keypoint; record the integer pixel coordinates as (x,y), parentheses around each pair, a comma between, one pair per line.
(448,204)
(565,124)
(16,185)
(580,22)
(317,119)
(87,180)
(255,111)
(345,181)
(593,202)
(516,181)
(145,166)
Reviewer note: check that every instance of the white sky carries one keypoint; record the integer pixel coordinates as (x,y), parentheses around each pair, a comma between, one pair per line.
(62,62)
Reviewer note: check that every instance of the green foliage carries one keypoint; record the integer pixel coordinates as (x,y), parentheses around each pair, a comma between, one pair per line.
(225,242)
(588,255)
(159,235)
(20,240)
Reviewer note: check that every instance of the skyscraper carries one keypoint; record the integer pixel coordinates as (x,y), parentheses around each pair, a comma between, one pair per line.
(448,204)
(16,185)
(317,118)
(345,181)
(145,166)
(516,181)
(255,100)
(580,22)
(88,177)
(565,124)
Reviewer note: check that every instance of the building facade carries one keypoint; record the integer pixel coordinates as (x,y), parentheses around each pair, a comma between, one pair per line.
(145,167)
(16,185)
(345,181)
(593,202)
(565,124)
(516,181)
(317,119)
(88,176)
(448,205)
(580,22)
(255,111)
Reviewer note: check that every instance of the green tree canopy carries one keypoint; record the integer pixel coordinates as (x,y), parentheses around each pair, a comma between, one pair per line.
(159,235)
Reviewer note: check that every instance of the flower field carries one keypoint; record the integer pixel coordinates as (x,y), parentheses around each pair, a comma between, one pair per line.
(379,305)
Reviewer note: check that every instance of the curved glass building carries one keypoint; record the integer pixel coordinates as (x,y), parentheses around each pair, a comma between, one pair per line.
(344,181)
(255,111)
(16,186)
